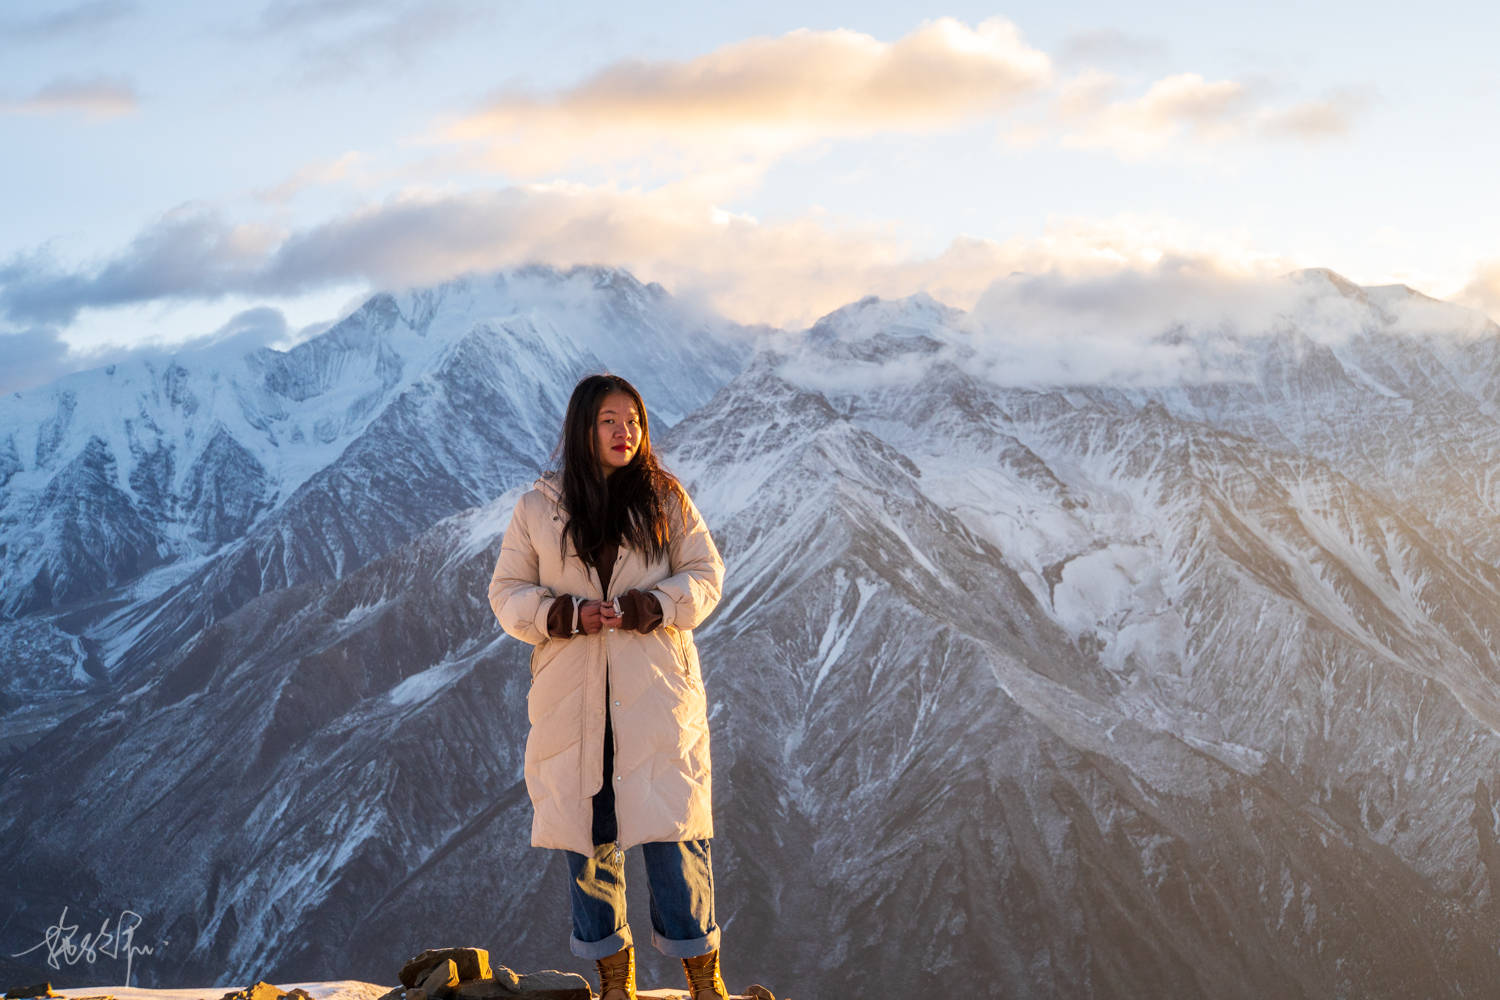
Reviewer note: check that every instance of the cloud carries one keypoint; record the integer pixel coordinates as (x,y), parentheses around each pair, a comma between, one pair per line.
(1483,290)
(258,326)
(1110,47)
(1087,94)
(40,355)
(297,15)
(358,37)
(189,252)
(1145,324)
(755,101)
(1185,108)
(31,357)
(97,97)
(766,93)
(1183,318)
(787,272)
(1311,120)
(314,175)
(76,20)
(1205,110)
(1104,289)
(1414,313)
(1133,304)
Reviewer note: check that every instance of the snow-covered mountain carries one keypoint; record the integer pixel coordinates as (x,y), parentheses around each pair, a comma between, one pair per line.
(145,502)
(1115,689)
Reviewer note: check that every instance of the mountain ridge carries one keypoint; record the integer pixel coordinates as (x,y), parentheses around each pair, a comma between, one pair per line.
(1080,689)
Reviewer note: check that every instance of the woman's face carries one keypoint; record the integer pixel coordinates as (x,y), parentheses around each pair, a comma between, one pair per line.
(617,432)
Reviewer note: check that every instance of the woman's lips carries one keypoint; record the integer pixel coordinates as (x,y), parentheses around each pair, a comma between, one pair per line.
(621,447)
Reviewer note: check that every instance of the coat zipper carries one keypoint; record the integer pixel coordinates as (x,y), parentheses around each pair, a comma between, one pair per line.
(614,728)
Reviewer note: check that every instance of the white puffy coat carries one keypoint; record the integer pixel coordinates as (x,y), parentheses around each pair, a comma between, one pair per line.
(660,720)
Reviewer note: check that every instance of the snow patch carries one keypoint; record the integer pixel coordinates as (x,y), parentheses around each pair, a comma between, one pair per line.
(1099,585)
(421,686)
(840,628)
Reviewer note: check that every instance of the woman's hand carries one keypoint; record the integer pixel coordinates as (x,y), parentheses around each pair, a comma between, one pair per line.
(596,615)
(639,611)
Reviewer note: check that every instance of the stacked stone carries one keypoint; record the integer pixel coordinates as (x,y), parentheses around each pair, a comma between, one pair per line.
(436,974)
(40,990)
(465,974)
(263,990)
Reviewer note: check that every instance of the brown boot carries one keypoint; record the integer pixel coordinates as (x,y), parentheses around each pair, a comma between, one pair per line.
(617,975)
(704,981)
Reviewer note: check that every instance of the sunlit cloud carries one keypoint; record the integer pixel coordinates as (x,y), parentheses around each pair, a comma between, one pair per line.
(1092,112)
(785,272)
(766,94)
(314,175)
(1081,297)
(1483,290)
(97,97)
(1330,117)
(1087,94)
(755,101)
(1184,103)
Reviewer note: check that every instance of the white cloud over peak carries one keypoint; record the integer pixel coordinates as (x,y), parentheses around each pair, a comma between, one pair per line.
(1483,290)
(786,272)
(1080,298)
(40,355)
(1178,320)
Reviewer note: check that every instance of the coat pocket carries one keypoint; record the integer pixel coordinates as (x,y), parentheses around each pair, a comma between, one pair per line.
(544,653)
(686,654)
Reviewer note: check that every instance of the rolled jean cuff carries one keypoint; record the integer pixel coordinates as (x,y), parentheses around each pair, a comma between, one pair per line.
(685,949)
(607,947)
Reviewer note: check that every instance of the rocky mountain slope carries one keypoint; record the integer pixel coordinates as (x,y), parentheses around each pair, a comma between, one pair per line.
(150,502)
(1117,690)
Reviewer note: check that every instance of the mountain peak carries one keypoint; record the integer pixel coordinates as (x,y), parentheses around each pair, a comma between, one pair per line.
(1312,275)
(872,314)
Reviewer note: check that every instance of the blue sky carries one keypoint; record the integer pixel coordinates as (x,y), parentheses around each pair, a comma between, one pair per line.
(180,171)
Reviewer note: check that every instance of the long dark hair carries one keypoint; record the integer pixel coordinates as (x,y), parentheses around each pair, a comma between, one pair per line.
(633,505)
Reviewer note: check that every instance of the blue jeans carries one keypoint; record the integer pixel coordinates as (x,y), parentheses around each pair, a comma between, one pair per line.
(681,879)
(680,875)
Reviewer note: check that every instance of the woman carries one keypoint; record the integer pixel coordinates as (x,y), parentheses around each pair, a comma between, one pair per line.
(606,569)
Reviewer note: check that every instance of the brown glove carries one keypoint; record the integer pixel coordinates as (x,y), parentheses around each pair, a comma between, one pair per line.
(560,618)
(639,611)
